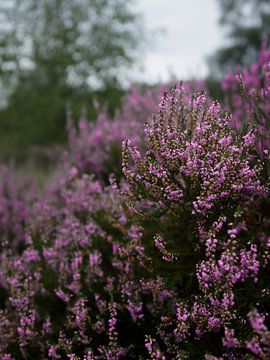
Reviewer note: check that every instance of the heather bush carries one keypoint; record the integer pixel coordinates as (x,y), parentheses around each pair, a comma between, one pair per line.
(16,197)
(166,259)
(76,289)
(195,190)
(95,147)
(247,96)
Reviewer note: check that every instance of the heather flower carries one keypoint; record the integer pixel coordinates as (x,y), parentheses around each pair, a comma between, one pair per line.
(193,152)
(163,263)
(95,147)
(247,94)
(16,197)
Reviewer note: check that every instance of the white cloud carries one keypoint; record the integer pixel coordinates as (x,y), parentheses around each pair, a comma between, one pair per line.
(191,32)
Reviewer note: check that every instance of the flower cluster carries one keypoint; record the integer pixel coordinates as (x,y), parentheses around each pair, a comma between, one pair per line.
(96,147)
(169,258)
(196,181)
(247,94)
(16,197)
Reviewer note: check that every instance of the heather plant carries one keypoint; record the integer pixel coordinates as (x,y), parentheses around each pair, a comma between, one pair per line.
(95,147)
(167,260)
(194,190)
(75,291)
(16,196)
(247,96)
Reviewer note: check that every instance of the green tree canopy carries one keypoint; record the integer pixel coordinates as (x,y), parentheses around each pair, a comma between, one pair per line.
(54,52)
(246,24)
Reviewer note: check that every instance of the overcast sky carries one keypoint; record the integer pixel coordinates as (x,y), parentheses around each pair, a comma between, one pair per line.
(191,32)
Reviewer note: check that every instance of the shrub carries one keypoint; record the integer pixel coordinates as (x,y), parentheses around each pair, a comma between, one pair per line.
(247,96)
(195,190)
(170,260)
(95,148)
(16,196)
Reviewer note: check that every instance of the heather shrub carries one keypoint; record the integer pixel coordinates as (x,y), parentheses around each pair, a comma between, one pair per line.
(95,147)
(166,259)
(194,191)
(78,288)
(247,97)
(16,196)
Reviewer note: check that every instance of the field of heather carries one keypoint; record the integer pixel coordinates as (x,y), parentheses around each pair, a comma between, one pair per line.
(151,239)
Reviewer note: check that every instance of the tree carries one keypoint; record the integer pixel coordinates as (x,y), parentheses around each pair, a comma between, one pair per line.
(247,24)
(54,52)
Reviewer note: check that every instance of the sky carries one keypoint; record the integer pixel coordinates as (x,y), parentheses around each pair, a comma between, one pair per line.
(188,31)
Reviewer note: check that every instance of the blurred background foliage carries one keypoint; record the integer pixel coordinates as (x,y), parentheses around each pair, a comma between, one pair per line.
(59,53)
(246,24)
(56,54)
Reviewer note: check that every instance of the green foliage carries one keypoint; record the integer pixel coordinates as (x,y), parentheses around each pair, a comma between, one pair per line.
(59,53)
(247,23)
